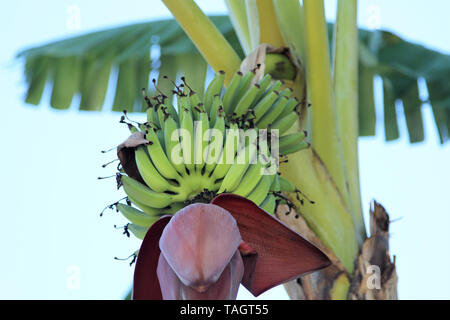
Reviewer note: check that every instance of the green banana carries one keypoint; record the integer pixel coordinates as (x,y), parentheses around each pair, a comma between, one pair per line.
(285,123)
(294,148)
(292,138)
(264,84)
(177,169)
(172,145)
(231,92)
(138,231)
(187,140)
(152,116)
(264,105)
(136,216)
(145,195)
(250,179)
(171,111)
(183,104)
(269,204)
(212,150)
(159,157)
(148,172)
(259,193)
(147,209)
(161,115)
(237,170)
(290,107)
(272,113)
(229,149)
(216,106)
(246,100)
(275,186)
(200,142)
(244,85)
(214,88)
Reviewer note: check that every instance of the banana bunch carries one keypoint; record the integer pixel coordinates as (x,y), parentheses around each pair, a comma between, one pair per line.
(197,150)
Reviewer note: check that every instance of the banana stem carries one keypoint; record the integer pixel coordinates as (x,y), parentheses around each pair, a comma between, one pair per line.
(329,216)
(346,94)
(207,38)
(238,15)
(269,30)
(253,23)
(290,18)
(324,125)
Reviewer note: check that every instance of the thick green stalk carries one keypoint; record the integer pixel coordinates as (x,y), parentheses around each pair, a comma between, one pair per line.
(238,15)
(324,126)
(346,94)
(329,216)
(269,30)
(253,23)
(207,38)
(291,21)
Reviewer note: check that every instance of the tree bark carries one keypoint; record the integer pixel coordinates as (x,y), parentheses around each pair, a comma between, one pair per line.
(374,278)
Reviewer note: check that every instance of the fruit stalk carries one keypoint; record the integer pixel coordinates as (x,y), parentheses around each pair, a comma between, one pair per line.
(346,94)
(206,37)
(325,137)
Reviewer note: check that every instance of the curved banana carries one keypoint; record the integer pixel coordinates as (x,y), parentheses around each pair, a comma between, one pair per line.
(172,145)
(246,100)
(187,140)
(229,150)
(215,146)
(146,209)
(148,172)
(145,195)
(285,123)
(259,193)
(216,105)
(200,143)
(244,85)
(214,88)
(138,231)
(292,143)
(294,148)
(269,204)
(272,113)
(264,84)
(159,157)
(136,216)
(250,179)
(231,92)
(289,107)
(275,186)
(235,173)
(264,105)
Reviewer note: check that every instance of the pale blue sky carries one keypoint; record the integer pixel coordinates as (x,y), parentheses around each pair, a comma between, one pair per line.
(50,160)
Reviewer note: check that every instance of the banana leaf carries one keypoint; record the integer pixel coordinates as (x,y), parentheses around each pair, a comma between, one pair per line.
(71,63)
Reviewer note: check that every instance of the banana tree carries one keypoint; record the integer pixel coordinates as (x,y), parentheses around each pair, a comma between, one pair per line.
(290,41)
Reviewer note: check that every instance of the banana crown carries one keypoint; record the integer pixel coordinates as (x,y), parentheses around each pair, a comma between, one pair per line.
(229,141)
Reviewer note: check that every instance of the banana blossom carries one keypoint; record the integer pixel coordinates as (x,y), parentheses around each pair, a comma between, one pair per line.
(205,251)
